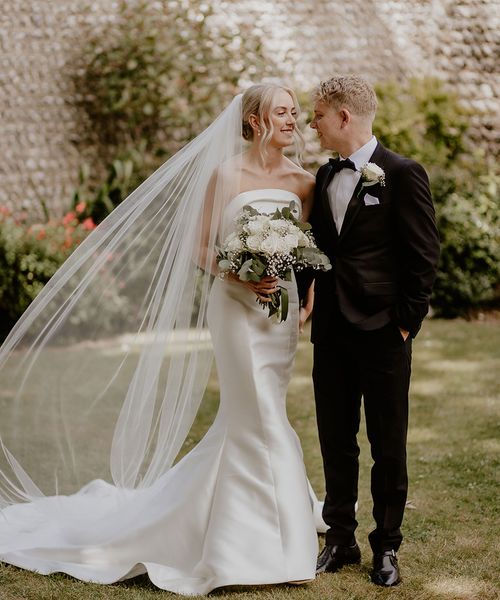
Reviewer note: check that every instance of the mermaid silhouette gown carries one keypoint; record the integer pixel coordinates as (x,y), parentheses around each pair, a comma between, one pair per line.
(237,509)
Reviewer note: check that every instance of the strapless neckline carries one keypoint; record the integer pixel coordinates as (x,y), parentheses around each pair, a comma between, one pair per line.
(246,192)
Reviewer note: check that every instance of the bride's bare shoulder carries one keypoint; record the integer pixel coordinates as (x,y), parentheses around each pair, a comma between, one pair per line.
(304,181)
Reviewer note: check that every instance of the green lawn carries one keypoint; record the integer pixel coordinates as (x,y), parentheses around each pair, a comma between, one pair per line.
(451,545)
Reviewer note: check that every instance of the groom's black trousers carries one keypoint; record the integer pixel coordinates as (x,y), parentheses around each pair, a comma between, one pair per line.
(374,365)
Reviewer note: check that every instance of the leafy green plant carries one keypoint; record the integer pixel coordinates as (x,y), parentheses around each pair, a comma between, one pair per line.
(469,271)
(30,255)
(423,120)
(124,175)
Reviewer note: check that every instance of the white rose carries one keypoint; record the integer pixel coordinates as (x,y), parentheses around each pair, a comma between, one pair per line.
(254,227)
(271,243)
(291,240)
(283,247)
(254,243)
(372,172)
(234,244)
(278,224)
(304,240)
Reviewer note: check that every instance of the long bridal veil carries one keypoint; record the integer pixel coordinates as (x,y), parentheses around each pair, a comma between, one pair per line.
(103,375)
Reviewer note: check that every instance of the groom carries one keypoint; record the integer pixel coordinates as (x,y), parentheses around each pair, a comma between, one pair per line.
(376,223)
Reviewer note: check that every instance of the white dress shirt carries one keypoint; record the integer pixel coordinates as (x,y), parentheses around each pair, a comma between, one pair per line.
(342,187)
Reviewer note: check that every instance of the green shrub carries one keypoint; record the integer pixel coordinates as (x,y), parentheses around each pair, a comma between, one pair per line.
(125,174)
(30,255)
(469,270)
(421,119)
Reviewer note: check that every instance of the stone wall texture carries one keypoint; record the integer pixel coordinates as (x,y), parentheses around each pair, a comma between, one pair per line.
(40,141)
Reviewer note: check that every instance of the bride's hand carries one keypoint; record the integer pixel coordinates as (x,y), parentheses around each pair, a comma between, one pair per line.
(262,289)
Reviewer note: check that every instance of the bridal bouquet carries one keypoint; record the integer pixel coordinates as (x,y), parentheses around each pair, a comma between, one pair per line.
(270,244)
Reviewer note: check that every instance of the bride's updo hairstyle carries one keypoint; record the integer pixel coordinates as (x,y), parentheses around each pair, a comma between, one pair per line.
(258,100)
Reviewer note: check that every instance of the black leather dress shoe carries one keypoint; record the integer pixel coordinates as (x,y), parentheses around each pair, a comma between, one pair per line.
(385,569)
(332,558)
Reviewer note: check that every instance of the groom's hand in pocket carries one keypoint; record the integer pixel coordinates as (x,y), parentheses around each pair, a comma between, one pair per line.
(404,333)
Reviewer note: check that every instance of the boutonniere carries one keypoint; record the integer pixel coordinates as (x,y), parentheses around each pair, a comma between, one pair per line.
(371,174)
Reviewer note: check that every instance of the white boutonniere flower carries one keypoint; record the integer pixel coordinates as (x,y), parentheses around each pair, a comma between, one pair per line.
(371,174)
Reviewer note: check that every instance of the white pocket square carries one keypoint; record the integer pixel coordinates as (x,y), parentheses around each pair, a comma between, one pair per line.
(370,200)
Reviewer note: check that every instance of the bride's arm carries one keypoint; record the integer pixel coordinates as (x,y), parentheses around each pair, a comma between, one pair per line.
(210,219)
(207,258)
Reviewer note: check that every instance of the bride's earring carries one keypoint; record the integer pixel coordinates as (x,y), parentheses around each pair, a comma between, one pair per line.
(258,132)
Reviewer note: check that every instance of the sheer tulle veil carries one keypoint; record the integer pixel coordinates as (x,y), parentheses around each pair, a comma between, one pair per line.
(103,375)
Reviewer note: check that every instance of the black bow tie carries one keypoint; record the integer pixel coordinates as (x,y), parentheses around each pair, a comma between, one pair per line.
(338,165)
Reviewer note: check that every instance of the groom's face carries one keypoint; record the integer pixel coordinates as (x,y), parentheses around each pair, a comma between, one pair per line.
(328,125)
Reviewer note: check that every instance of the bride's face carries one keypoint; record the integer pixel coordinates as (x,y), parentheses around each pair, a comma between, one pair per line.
(282,117)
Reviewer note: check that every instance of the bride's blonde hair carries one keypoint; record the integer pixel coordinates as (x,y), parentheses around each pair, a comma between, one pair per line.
(258,100)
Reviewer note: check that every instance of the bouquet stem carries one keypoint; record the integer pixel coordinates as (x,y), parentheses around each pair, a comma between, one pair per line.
(278,304)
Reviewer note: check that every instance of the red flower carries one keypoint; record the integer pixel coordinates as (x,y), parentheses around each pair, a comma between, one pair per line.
(41,234)
(80,207)
(88,224)
(69,218)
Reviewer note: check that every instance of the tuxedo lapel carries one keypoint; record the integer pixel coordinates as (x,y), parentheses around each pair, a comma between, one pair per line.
(355,203)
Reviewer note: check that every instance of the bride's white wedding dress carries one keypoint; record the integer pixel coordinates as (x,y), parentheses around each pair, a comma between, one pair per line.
(237,509)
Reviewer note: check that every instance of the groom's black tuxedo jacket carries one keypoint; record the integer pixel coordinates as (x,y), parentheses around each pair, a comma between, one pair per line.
(384,259)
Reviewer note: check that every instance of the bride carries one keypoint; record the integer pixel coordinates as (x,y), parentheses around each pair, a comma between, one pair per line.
(103,376)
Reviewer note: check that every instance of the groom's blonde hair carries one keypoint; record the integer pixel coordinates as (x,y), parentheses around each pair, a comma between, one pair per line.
(348,91)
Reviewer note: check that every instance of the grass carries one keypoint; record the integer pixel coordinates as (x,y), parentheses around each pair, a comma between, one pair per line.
(451,545)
